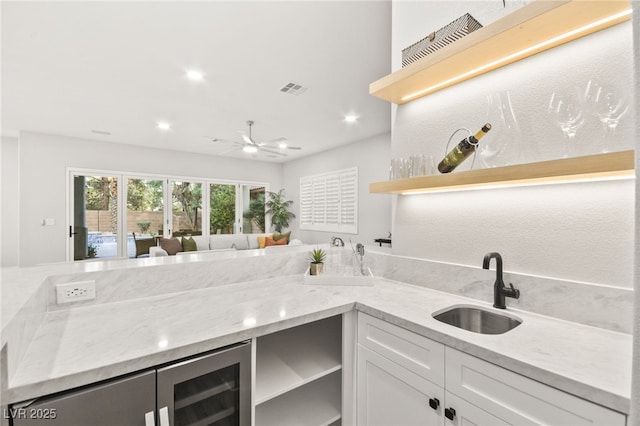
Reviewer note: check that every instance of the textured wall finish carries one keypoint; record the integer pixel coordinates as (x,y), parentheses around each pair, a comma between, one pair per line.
(575,232)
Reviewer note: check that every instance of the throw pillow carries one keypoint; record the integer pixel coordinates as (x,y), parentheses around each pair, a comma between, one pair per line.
(171,245)
(262,241)
(189,244)
(277,236)
(269,241)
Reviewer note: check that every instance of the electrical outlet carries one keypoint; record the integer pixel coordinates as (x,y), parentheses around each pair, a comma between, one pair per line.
(74,292)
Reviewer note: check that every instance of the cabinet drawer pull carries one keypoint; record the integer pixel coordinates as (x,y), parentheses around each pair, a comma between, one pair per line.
(164,416)
(149,419)
(449,413)
(434,403)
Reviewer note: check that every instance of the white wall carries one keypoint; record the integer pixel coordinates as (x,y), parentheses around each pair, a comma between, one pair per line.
(580,231)
(635,374)
(10,201)
(371,156)
(44,160)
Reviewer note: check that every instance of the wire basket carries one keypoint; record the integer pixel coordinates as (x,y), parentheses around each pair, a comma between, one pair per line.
(436,40)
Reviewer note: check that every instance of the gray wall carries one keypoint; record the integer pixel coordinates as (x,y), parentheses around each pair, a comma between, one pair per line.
(9,201)
(371,156)
(27,198)
(44,160)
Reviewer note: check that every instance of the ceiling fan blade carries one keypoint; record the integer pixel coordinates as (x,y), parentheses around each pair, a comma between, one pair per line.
(218,140)
(247,139)
(294,147)
(276,141)
(273,152)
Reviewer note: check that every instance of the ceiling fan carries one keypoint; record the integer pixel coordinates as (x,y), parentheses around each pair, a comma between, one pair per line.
(250,146)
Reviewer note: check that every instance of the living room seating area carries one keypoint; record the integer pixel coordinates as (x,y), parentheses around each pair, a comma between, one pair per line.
(221,242)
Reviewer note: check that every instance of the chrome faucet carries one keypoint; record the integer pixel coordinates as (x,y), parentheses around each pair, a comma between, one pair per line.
(337,242)
(500,291)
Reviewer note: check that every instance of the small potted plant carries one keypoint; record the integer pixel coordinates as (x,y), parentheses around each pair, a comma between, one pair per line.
(317,261)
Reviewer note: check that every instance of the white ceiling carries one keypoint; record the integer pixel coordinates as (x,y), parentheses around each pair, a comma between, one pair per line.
(71,68)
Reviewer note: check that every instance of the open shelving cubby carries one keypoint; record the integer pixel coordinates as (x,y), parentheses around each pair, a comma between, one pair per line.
(299,375)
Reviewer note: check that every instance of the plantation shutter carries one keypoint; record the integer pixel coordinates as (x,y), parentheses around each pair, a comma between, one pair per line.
(329,202)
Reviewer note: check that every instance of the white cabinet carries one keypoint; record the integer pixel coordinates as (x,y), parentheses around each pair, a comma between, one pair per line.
(389,394)
(299,375)
(401,374)
(517,399)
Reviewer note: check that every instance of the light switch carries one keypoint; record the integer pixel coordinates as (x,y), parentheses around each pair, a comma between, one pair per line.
(48,221)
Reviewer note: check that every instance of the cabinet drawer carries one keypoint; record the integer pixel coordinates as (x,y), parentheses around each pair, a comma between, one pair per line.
(520,400)
(416,353)
(391,395)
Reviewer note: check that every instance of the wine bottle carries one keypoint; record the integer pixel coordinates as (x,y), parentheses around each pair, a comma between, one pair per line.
(462,150)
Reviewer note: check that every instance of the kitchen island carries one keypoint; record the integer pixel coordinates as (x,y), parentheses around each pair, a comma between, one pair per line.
(84,344)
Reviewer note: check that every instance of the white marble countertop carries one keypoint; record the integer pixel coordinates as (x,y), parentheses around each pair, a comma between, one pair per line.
(86,344)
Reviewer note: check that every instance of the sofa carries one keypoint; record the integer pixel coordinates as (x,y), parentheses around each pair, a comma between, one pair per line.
(221,242)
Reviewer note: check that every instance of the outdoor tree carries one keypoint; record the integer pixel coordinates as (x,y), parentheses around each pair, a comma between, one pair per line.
(187,197)
(256,211)
(223,208)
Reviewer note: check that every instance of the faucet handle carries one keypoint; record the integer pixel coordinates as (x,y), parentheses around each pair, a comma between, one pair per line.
(513,292)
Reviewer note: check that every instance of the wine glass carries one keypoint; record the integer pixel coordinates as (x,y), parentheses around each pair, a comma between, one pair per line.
(567,112)
(500,148)
(609,105)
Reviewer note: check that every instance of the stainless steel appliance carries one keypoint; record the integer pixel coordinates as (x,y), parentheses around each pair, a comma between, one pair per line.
(210,389)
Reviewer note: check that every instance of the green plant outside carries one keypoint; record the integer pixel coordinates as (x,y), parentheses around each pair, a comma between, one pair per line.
(223,208)
(144,226)
(256,212)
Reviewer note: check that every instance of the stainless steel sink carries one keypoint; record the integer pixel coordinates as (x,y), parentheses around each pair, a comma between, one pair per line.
(477,320)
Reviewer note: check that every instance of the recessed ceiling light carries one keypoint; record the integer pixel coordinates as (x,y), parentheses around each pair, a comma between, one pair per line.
(194,75)
(164,126)
(350,118)
(250,149)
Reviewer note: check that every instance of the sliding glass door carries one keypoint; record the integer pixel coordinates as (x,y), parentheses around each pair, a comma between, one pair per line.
(123,215)
(253,216)
(186,208)
(145,214)
(94,225)
(222,209)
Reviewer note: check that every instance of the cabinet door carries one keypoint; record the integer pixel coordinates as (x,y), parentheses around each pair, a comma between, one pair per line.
(388,394)
(519,400)
(214,389)
(120,402)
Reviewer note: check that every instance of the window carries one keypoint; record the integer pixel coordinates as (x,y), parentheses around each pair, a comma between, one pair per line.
(329,202)
(118,214)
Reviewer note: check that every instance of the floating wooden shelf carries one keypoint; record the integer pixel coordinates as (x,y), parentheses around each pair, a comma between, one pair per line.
(612,164)
(536,27)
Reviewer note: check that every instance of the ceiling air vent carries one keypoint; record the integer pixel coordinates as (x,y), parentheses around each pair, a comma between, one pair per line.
(293,89)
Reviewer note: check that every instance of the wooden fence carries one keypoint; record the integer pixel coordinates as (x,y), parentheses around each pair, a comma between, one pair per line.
(100,221)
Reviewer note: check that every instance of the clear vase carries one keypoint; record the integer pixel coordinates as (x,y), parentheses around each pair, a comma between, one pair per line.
(501,146)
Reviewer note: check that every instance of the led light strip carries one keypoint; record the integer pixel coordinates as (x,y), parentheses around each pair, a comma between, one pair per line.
(625,175)
(522,53)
